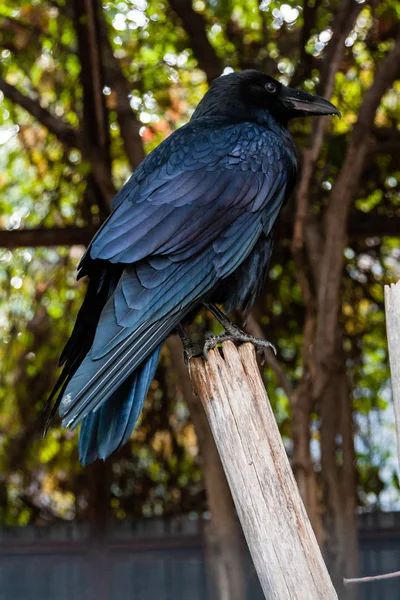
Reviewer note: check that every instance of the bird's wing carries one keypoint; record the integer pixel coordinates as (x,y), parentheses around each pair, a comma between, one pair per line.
(191,188)
(180,229)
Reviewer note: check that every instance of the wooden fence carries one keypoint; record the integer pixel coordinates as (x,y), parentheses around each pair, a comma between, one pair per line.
(153,559)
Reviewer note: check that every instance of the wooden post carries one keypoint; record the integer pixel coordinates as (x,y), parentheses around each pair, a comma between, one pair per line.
(392,307)
(279,535)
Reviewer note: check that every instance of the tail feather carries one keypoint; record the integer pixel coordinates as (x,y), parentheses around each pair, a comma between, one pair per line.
(100,288)
(107,429)
(80,399)
(106,394)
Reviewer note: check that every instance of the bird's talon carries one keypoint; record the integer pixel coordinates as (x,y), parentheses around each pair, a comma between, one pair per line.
(192,351)
(210,343)
(262,358)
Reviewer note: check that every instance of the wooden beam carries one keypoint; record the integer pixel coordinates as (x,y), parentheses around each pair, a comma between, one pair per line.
(44,236)
(392,307)
(360,226)
(279,535)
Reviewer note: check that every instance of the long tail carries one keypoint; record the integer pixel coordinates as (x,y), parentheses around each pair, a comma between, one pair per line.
(107,429)
(112,355)
(101,286)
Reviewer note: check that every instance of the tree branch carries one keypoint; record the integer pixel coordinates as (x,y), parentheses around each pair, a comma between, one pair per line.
(57,126)
(128,123)
(36,30)
(371,578)
(363,225)
(342,25)
(341,28)
(96,138)
(337,212)
(195,26)
(305,63)
(43,236)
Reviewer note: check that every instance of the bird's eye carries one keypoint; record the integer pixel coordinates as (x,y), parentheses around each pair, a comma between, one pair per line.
(270,87)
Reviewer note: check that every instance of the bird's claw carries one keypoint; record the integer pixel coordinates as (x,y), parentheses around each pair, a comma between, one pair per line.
(190,351)
(237,336)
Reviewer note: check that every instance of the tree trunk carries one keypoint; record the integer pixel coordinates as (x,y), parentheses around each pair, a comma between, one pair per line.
(302,463)
(96,138)
(225,547)
(338,476)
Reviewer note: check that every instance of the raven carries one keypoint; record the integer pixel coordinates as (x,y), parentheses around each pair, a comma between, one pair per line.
(192,226)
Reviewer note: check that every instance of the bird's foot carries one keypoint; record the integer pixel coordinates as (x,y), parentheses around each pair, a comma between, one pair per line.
(191,350)
(236,335)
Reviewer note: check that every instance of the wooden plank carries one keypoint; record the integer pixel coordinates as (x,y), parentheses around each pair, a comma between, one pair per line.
(279,535)
(392,307)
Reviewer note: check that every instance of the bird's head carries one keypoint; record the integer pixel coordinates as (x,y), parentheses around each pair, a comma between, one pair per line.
(249,94)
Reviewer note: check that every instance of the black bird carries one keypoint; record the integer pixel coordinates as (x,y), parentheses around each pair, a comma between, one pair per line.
(192,226)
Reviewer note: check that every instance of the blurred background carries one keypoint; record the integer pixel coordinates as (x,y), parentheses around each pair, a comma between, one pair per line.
(86,90)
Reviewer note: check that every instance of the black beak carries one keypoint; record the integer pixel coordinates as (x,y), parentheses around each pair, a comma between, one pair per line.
(301,103)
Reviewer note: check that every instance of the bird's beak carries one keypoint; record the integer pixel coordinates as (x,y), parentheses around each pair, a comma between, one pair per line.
(302,103)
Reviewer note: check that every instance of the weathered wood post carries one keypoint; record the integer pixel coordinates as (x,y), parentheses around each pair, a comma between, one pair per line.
(392,308)
(274,521)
